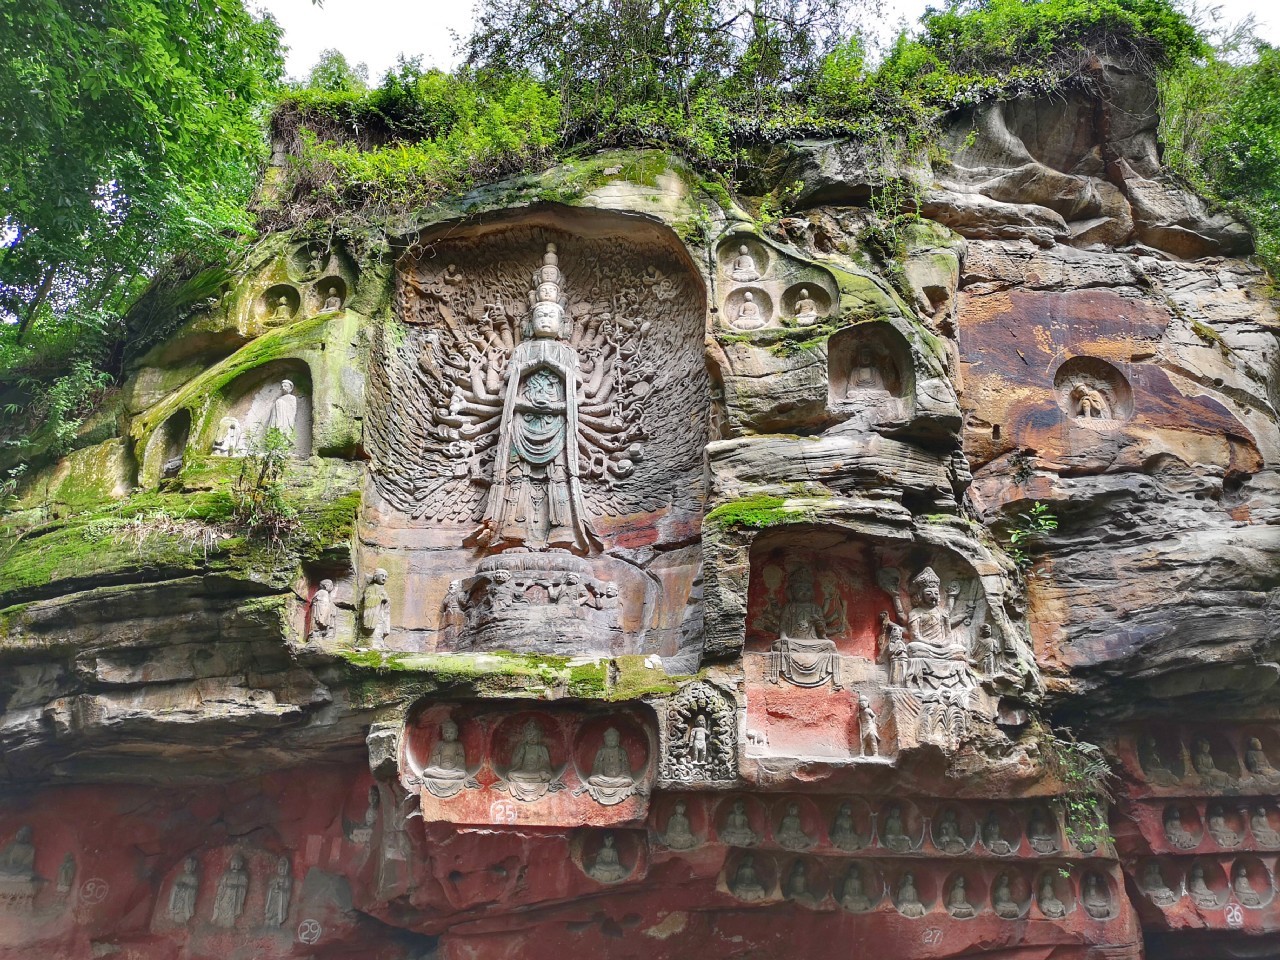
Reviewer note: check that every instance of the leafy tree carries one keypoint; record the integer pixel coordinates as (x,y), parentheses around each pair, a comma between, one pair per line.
(332,73)
(128,132)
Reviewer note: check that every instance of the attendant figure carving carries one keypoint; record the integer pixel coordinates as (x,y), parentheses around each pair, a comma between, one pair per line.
(746,883)
(185,890)
(1176,833)
(607,867)
(958,904)
(854,898)
(1264,834)
(530,774)
(679,834)
(230,441)
(804,654)
(743,268)
(376,610)
(228,903)
(1157,890)
(1050,905)
(67,873)
(1244,888)
(323,613)
(611,780)
(1202,894)
(909,904)
(984,651)
(1090,403)
(284,410)
(1002,901)
(279,890)
(868,728)
(791,833)
(843,832)
(737,830)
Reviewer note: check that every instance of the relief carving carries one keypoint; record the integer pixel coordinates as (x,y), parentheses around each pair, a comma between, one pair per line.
(233,886)
(529,773)
(611,779)
(446,772)
(1155,887)
(185,890)
(701,743)
(375,610)
(18,881)
(279,890)
(804,654)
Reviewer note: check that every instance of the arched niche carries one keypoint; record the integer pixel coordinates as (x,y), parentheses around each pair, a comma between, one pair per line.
(249,401)
(869,370)
(279,303)
(1093,393)
(324,292)
(166,448)
(743,258)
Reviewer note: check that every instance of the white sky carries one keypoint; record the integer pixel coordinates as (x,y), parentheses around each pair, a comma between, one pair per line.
(375,31)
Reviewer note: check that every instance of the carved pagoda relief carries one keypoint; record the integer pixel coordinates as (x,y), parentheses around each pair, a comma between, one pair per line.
(469,764)
(541,398)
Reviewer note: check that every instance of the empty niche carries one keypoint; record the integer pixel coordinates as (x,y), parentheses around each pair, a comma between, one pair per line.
(1092,392)
(259,400)
(869,367)
(743,259)
(166,448)
(279,303)
(328,294)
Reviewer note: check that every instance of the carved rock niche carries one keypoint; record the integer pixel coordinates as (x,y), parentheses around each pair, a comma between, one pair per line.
(855,651)
(325,290)
(537,416)
(870,376)
(279,303)
(1093,393)
(252,403)
(761,287)
(474,764)
(165,449)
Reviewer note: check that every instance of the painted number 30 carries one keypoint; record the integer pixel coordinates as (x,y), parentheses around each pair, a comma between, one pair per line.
(94,890)
(931,936)
(1235,916)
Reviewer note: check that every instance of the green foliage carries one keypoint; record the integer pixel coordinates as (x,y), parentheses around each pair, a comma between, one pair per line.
(333,74)
(1027,528)
(1082,769)
(46,415)
(128,130)
(258,498)
(1220,121)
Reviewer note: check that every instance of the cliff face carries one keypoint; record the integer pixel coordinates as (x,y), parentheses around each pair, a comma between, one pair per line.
(592,568)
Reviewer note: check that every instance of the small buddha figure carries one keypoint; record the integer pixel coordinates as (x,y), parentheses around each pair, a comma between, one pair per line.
(804,654)
(376,610)
(791,833)
(230,441)
(322,613)
(854,898)
(446,771)
(1042,836)
(1264,834)
(865,378)
(1176,833)
(1157,890)
(228,903)
(743,267)
(530,773)
(1207,767)
(611,780)
(1097,903)
(699,740)
(332,301)
(1050,905)
(909,904)
(958,904)
(1243,888)
(1002,901)
(182,896)
(749,316)
(868,728)
(284,410)
(279,890)
(993,836)
(746,884)
(18,858)
(843,833)
(948,835)
(1258,764)
(607,867)
(282,311)
(797,887)
(679,835)
(67,873)
(737,830)
(893,836)
(806,309)
(1201,894)
(1090,403)
(1153,764)
(1219,829)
